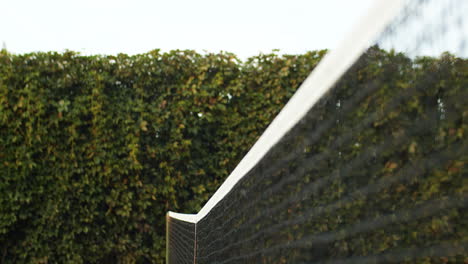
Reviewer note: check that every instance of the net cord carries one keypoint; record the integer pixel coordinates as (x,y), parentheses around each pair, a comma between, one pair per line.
(321,79)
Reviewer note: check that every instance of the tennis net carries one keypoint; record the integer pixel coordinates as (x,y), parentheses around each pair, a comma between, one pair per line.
(365,164)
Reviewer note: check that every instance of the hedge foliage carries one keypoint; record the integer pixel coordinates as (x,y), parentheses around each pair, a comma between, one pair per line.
(94,150)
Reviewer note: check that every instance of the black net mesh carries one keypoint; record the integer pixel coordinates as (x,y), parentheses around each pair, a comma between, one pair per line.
(181,241)
(376,170)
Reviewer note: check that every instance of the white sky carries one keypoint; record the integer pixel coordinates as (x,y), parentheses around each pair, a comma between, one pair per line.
(244,27)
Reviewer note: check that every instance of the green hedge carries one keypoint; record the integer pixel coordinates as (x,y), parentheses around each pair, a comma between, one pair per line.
(95,149)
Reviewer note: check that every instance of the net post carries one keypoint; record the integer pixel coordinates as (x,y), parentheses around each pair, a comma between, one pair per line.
(167,237)
(195,245)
